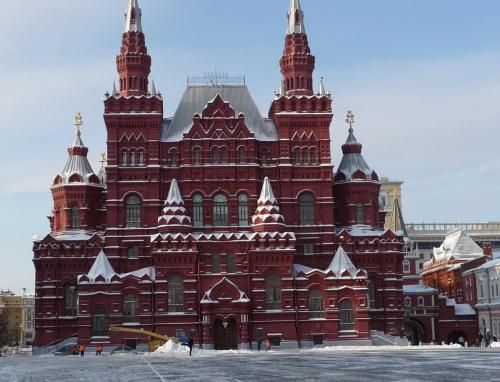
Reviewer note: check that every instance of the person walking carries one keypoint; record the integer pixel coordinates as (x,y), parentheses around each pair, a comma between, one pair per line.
(259,342)
(98,350)
(190,345)
(268,344)
(74,350)
(82,350)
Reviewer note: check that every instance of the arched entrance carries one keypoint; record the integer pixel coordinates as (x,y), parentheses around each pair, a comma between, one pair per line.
(457,337)
(225,334)
(412,332)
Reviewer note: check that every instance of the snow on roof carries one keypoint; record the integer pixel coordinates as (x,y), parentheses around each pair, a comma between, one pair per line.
(266,194)
(460,309)
(195,99)
(75,236)
(103,268)
(456,246)
(352,160)
(339,264)
(174,195)
(207,298)
(364,230)
(417,288)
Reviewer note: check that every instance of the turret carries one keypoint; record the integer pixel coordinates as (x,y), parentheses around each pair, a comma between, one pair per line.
(356,186)
(174,218)
(267,217)
(76,190)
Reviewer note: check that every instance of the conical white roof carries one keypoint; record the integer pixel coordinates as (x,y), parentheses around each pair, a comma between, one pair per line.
(133,17)
(295,18)
(101,267)
(341,262)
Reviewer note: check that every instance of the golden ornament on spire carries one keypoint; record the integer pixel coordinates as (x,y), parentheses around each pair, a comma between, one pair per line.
(350,118)
(78,120)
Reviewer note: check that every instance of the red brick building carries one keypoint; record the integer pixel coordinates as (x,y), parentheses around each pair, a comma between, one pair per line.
(218,221)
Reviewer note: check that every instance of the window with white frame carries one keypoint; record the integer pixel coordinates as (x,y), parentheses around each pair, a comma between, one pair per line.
(406,266)
(420,301)
(407,301)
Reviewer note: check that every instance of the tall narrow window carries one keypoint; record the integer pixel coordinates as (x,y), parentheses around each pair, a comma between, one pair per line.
(132,158)
(133,212)
(360,213)
(296,157)
(214,155)
(316,308)
(406,266)
(264,158)
(221,217)
(130,308)
(100,322)
(371,294)
(273,292)
(306,207)
(197,211)
(124,158)
(215,263)
(223,158)
(242,155)
(305,157)
(173,158)
(420,301)
(242,210)
(346,316)
(231,264)
(197,156)
(75,217)
(133,252)
(175,294)
(70,299)
(141,158)
(314,159)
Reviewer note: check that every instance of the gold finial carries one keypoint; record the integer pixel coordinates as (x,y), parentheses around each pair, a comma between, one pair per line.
(350,118)
(78,120)
(103,158)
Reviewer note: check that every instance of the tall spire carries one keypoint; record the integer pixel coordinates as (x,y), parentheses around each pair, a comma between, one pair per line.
(295,18)
(297,62)
(133,17)
(174,218)
(267,217)
(133,62)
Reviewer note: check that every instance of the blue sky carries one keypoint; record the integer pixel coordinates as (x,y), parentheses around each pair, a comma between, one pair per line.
(422,77)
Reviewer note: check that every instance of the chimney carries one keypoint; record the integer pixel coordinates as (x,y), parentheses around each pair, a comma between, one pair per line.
(487,249)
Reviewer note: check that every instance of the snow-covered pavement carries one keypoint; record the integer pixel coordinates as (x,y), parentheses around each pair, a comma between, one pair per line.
(345,365)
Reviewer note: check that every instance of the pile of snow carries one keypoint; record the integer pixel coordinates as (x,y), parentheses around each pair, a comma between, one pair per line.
(385,348)
(495,344)
(171,347)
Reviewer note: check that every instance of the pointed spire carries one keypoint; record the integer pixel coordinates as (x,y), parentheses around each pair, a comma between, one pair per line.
(114,92)
(267,216)
(133,17)
(153,89)
(101,268)
(295,18)
(322,90)
(283,88)
(174,218)
(341,263)
(78,121)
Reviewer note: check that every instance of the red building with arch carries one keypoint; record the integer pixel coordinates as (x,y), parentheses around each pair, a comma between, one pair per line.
(218,221)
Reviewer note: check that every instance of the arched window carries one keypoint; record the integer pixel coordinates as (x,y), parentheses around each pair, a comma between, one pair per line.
(124,158)
(406,266)
(221,217)
(197,211)
(223,157)
(316,308)
(175,294)
(214,155)
(305,157)
(242,155)
(132,158)
(130,308)
(197,156)
(273,292)
(242,210)
(100,322)
(231,264)
(314,159)
(173,158)
(306,207)
(141,158)
(407,301)
(346,316)
(133,212)
(70,300)
(75,217)
(215,263)
(296,157)
(420,301)
(360,213)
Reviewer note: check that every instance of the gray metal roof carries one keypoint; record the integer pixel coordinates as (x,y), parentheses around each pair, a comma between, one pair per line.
(195,99)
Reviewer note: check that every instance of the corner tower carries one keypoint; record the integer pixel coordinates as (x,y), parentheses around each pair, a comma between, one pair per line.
(133,116)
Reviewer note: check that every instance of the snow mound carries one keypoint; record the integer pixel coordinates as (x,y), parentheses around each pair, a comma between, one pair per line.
(495,344)
(341,348)
(171,347)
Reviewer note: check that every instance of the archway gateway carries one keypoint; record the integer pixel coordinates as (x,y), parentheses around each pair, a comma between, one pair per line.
(225,334)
